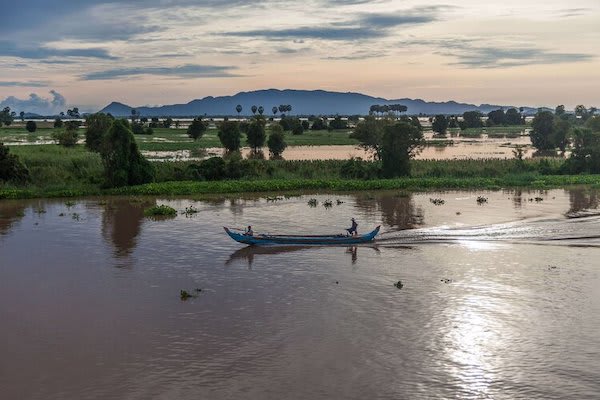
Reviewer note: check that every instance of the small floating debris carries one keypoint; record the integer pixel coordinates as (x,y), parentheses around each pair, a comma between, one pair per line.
(61,214)
(458,213)
(313,202)
(538,199)
(40,211)
(399,285)
(189,211)
(185,295)
(481,200)
(75,216)
(328,203)
(337,282)
(274,199)
(339,202)
(446,280)
(551,267)
(69,203)
(437,202)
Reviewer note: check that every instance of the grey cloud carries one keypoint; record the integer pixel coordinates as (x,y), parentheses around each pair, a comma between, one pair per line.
(573,12)
(187,71)
(365,26)
(8,49)
(36,104)
(23,84)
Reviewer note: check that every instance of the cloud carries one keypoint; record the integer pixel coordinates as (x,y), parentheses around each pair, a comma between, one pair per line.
(573,12)
(23,84)
(470,53)
(184,71)
(9,49)
(365,26)
(36,104)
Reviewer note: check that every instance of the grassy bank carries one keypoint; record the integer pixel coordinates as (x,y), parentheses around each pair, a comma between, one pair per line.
(59,172)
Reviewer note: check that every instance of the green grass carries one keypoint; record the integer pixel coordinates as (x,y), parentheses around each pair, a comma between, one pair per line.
(160,211)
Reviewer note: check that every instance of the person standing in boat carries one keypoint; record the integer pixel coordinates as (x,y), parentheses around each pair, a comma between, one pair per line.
(249,231)
(353,229)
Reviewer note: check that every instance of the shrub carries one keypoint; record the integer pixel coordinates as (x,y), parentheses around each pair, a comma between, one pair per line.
(319,125)
(230,135)
(67,137)
(276,141)
(356,168)
(297,129)
(11,169)
(256,134)
(212,169)
(58,123)
(31,126)
(123,163)
(196,129)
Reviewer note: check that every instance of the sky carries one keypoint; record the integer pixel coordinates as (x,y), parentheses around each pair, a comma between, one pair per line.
(56,54)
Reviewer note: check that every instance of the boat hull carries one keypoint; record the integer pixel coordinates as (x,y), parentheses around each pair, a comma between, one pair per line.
(316,240)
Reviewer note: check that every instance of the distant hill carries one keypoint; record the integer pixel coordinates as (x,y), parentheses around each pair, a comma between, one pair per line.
(304,102)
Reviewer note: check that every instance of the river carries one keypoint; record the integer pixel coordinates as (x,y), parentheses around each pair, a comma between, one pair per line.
(499,298)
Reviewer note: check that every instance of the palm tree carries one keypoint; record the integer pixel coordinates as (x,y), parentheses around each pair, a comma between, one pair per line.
(274,110)
(238,108)
(261,110)
(22,115)
(254,108)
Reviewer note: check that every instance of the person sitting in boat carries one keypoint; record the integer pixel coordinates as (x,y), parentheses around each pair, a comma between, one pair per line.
(249,231)
(353,229)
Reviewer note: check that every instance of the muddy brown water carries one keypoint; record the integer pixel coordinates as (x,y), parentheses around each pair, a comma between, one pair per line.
(499,299)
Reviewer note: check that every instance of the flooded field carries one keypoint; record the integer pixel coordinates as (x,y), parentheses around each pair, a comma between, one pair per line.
(498,298)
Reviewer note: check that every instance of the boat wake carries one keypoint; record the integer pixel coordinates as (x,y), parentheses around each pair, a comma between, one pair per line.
(582,230)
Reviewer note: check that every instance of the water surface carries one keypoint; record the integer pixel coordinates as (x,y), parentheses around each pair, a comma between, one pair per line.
(499,300)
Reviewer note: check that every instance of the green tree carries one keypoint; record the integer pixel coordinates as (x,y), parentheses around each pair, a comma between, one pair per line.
(97,126)
(11,169)
(68,136)
(586,152)
(196,129)
(582,112)
(401,142)
(513,117)
(276,142)
(22,115)
(318,125)
(256,135)
(542,133)
(559,110)
(261,110)
(123,163)
(593,123)
(560,133)
(230,135)
(338,123)
(58,123)
(297,128)
(6,116)
(440,124)
(369,133)
(274,110)
(168,122)
(471,119)
(496,117)
(238,108)
(31,126)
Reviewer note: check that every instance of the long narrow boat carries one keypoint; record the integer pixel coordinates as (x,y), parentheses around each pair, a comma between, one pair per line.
(301,239)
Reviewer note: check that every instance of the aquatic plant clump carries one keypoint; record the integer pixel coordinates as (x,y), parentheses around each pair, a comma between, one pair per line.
(160,211)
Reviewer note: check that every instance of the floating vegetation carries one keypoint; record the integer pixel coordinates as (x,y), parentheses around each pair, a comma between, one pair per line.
(160,211)
(399,285)
(446,280)
(538,199)
(313,202)
(481,200)
(437,202)
(61,214)
(20,213)
(328,203)
(185,295)
(102,203)
(339,202)
(190,210)
(458,213)
(75,216)
(69,203)
(274,199)
(40,211)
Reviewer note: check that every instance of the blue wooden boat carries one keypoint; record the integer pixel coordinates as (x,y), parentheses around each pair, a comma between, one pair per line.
(303,240)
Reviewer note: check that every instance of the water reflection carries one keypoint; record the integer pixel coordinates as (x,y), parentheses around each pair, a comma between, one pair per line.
(121,224)
(10,214)
(397,210)
(582,199)
(248,253)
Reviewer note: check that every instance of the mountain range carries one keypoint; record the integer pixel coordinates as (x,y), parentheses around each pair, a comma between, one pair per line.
(303,102)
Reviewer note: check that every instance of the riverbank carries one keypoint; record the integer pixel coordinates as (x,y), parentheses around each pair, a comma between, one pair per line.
(180,188)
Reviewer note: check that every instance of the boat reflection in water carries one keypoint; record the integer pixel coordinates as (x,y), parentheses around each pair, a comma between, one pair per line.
(248,253)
